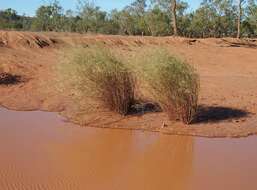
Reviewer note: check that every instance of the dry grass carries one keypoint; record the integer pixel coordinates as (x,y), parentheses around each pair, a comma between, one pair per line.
(173,83)
(98,73)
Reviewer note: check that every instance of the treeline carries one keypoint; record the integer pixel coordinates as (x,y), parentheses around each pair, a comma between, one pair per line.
(214,18)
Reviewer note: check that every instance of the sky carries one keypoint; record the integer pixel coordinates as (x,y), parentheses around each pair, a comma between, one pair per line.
(29,7)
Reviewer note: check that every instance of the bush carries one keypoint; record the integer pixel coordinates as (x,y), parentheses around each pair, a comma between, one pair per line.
(102,76)
(173,83)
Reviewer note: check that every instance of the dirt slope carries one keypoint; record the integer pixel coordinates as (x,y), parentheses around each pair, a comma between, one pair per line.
(18,40)
(227,67)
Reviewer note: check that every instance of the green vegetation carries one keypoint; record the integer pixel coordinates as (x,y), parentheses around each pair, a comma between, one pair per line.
(107,79)
(9,19)
(100,75)
(214,18)
(173,83)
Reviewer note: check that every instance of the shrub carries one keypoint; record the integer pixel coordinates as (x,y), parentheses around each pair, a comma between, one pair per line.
(104,77)
(173,83)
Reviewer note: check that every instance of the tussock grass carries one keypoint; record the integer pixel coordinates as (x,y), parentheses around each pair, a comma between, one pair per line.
(173,83)
(98,73)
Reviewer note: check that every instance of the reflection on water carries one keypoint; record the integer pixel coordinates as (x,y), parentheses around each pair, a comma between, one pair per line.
(40,152)
(118,160)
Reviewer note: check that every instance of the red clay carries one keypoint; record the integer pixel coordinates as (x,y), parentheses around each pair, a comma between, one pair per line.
(227,69)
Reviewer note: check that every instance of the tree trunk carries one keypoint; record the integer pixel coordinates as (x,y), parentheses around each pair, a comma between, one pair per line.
(239,19)
(174,17)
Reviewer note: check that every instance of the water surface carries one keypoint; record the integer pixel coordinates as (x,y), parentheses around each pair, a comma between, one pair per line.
(39,151)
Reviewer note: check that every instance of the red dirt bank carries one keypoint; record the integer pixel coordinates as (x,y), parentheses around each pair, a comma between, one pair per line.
(227,67)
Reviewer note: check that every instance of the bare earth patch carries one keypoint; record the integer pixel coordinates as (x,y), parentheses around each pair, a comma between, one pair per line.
(227,68)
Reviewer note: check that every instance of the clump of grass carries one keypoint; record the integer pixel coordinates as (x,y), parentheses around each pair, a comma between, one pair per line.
(173,83)
(101,75)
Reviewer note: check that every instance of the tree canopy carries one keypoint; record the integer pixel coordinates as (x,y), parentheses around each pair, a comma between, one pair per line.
(213,18)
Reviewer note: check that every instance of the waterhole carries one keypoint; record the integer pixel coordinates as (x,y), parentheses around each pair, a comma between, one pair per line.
(39,151)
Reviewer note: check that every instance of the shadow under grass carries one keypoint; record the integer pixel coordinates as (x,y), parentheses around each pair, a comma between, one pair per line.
(205,114)
(215,114)
(9,79)
(142,107)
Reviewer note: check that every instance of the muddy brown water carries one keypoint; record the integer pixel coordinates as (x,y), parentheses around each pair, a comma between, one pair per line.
(40,151)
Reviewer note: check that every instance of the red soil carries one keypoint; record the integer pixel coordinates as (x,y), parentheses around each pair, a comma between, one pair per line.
(227,68)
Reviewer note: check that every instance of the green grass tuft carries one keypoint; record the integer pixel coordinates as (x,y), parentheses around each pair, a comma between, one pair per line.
(173,83)
(102,76)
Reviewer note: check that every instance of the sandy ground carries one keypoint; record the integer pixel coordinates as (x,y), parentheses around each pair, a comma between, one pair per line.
(227,68)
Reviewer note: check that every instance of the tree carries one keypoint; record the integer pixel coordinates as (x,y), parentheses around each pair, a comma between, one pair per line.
(70,21)
(137,10)
(174,16)
(9,19)
(126,22)
(239,18)
(171,6)
(183,18)
(214,18)
(175,9)
(49,17)
(202,23)
(158,22)
(250,23)
(92,18)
